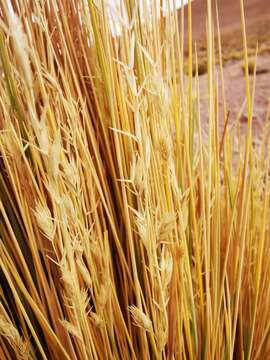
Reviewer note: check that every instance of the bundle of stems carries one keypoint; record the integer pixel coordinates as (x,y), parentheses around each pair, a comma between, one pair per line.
(129,228)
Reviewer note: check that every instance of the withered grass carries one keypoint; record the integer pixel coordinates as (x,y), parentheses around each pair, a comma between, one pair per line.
(129,229)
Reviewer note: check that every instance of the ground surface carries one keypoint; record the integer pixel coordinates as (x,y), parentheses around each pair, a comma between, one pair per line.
(257,14)
(256,11)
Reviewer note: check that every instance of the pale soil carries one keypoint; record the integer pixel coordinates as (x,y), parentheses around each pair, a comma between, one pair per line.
(258,30)
(235,94)
(256,12)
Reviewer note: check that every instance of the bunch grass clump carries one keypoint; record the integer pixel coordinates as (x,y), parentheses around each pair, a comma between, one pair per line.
(129,229)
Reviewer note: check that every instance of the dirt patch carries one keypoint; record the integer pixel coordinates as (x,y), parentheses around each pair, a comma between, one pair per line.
(257,13)
(257,21)
(235,93)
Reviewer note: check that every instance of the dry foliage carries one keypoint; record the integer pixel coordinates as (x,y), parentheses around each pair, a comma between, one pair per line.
(126,232)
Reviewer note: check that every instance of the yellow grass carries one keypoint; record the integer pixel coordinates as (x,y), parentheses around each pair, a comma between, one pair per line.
(129,229)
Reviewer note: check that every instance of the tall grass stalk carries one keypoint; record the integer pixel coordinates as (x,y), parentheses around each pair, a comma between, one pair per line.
(130,227)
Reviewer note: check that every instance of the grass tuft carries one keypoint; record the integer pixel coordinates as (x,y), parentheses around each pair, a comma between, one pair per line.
(129,227)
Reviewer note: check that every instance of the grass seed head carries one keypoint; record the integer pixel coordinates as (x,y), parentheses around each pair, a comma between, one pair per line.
(164,149)
(20,45)
(84,272)
(141,319)
(10,332)
(96,319)
(71,329)
(161,332)
(166,226)
(166,269)
(55,156)
(71,172)
(44,220)
(103,293)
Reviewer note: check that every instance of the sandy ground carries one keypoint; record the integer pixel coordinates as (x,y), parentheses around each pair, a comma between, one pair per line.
(256,13)
(235,94)
(258,30)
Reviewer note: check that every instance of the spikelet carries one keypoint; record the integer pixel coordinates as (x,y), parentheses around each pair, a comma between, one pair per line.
(69,207)
(43,138)
(44,220)
(166,226)
(161,332)
(96,319)
(20,45)
(54,192)
(137,172)
(83,298)
(71,329)
(84,272)
(141,319)
(144,230)
(67,277)
(54,156)
(11,334)
(103,294)
(166,269)
(11,145)
(131,80)
(164,148)
(71,172)
(77,244)
(173,178)
(42,132)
